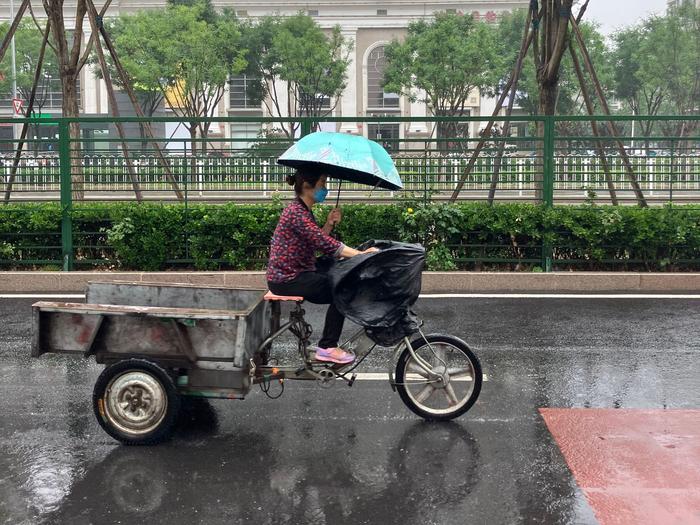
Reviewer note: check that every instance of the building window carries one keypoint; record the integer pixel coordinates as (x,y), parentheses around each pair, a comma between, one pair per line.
(386,134)
(241,91)
(377,98)
(6,136)
(49,95)
(312,12)
(381,12)
(244,135)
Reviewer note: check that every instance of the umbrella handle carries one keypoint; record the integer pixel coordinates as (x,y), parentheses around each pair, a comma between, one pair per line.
(337,202)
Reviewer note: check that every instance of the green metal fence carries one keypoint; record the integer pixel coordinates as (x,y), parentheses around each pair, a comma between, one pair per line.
(547,160)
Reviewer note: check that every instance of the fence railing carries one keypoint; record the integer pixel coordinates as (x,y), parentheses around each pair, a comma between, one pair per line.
(576,177)
(557,157)
(548,160)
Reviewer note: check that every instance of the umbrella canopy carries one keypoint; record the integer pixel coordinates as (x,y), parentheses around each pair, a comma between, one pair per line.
(344,156)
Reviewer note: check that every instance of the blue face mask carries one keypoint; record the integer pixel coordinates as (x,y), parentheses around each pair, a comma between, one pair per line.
(320,195)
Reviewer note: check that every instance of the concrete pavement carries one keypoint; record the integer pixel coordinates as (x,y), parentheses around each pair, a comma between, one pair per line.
(433,282)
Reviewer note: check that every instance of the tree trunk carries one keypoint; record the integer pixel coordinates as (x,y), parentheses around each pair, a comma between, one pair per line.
(548,99)
(193,146)
(71,109)
(204,133)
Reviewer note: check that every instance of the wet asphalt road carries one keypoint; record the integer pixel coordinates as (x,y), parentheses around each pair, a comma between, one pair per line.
(350,456)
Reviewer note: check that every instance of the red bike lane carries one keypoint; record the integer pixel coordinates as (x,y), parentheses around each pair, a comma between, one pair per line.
(634,466)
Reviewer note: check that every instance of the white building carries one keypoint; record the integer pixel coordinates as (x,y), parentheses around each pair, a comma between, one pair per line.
(369,25)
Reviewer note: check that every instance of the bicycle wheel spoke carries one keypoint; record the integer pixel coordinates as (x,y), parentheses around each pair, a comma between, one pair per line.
(415,368)
(425,393)
(451,396)
(456,373)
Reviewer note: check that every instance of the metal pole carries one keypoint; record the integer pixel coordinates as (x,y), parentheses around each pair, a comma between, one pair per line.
(632,137)
(548,162)
(14,59)
(66,196)
(548,186)
(305,126)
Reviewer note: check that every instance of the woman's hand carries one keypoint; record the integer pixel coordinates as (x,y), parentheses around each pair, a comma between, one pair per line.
(348,252)
(334,217)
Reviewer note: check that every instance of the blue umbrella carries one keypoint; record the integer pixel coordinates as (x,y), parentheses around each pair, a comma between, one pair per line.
(346,157)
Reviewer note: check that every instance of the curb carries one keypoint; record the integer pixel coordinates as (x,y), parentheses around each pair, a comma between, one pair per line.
(433,282)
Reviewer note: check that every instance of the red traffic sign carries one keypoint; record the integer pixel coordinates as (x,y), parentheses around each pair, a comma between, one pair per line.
(17,103)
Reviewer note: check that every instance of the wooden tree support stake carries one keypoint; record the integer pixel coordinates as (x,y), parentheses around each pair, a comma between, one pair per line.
(92,15)
(611,125)
(594,125)
(30,109)
(126,82)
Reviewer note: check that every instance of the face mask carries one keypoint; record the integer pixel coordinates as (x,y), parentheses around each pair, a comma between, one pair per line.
(320,195)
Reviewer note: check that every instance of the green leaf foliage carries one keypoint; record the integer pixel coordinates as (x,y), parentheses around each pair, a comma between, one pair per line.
(443,61)
(130,236)
(28,40)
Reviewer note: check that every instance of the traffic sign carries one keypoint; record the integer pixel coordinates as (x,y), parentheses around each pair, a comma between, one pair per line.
(17,103)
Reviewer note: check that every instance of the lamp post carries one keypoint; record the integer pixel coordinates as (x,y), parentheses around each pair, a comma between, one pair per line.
(14,60)
(14,67)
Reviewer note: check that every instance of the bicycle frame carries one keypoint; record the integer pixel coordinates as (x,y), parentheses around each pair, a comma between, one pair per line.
(308,369)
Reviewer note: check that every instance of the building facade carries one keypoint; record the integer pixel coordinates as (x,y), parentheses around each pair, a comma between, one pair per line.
(369,25)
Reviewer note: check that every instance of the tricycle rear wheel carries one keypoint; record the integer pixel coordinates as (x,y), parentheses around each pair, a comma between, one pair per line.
(136,402)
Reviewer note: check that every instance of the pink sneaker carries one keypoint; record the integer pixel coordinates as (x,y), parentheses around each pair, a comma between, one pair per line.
(334,355)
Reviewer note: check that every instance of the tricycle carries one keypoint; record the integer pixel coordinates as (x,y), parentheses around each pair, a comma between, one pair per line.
(162,342)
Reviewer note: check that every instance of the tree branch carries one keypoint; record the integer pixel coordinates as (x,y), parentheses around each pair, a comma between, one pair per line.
(13,28)
(80,12)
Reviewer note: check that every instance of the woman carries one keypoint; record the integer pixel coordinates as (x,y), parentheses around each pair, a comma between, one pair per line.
(292,270)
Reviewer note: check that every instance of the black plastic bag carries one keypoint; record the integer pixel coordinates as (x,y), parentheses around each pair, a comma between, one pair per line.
(377,290)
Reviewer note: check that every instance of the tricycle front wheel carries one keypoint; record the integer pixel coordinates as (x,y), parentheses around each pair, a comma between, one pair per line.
(450,385)
(136,402)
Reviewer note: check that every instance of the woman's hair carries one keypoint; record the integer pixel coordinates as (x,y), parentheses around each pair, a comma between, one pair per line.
(302,175)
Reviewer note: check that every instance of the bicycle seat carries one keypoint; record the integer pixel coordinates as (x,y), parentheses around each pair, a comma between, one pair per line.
(269,296)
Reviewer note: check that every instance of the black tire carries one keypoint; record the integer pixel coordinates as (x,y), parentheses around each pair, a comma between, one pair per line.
(406,397)
(151,391)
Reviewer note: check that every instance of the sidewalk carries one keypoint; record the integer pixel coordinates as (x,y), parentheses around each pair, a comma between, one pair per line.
(433,282)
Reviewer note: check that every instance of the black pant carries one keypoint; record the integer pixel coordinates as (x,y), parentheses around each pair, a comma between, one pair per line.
(315,287)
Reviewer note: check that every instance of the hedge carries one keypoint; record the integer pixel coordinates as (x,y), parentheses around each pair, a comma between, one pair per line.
(132,236)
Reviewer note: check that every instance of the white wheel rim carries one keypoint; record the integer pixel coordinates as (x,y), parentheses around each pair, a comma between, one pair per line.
(427,391)
(135,402)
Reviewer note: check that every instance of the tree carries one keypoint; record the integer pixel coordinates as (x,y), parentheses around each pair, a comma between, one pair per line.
(442,62)
(178,54)
(312,65)
(28,39)
(675,39)
(567,100)
(147,92)
(207,11)
(657,68)
(71,56)
(642,93)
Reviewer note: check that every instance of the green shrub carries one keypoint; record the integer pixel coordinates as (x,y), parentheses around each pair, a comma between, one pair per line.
(148,236)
